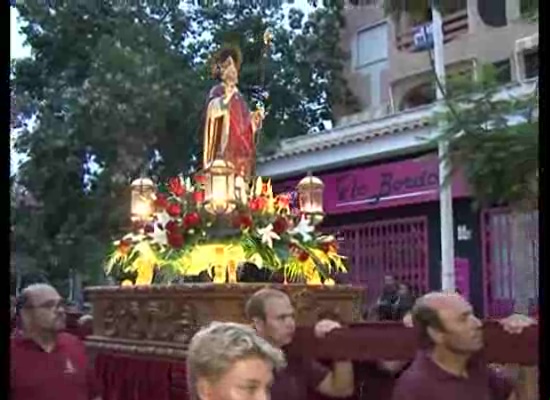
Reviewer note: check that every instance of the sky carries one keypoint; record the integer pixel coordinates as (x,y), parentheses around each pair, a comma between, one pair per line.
(19,50)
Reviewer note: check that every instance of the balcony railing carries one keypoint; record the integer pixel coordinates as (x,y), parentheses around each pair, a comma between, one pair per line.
(454,25)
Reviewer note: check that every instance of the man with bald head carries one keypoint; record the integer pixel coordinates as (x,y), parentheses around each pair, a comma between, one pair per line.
(448,367)
(47,363)
(272,315)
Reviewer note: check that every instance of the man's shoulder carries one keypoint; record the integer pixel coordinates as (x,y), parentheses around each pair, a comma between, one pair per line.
(416,374)
(68,340)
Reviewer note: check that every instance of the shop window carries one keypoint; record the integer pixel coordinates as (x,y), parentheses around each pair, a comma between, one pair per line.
(531,62)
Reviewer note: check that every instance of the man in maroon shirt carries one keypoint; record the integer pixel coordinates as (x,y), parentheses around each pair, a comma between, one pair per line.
(46,363)
(272,315)
(450,367)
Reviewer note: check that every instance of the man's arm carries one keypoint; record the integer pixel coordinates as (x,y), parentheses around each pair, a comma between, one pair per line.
(525,386)
(339,382)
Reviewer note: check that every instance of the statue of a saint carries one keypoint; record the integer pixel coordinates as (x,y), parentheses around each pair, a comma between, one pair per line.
(230,127)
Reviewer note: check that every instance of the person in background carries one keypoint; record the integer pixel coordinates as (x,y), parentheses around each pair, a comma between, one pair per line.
(228,361)
(451,366)
(385,304)
(404,302)
(46,363)
(272,315)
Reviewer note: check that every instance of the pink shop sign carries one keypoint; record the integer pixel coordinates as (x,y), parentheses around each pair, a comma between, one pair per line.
(388,185)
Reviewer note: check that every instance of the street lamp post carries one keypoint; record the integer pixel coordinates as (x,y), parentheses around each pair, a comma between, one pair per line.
(445,189)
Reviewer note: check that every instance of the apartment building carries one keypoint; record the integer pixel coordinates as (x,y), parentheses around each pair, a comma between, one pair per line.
(381,170)
(387,75)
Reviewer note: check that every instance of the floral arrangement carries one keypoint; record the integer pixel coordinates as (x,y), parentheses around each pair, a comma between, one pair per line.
(185,239)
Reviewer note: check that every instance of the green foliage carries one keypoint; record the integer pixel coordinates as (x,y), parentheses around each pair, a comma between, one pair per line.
(118,91)
(494,138)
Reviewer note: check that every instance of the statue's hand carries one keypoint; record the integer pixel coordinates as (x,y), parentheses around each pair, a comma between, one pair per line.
(258,116)
(260,111)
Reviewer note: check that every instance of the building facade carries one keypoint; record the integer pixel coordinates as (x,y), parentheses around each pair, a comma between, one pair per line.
(380,166)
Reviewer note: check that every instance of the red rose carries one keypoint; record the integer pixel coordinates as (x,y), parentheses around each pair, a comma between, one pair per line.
(245,221)
(171,227)
(198,197)
(200,179)
(257,204)
(191,220)
(175,239)
(160,202)
(173,209)
(176,187)
(303,256)
(280,226)
(148,228)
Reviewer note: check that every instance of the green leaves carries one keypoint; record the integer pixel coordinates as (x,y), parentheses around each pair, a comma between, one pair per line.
(495,139)
(125,87)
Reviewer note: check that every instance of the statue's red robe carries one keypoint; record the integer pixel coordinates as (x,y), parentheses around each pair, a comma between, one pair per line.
(238,147)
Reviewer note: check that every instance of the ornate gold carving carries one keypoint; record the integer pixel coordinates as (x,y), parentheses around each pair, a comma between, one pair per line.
(154,319)
(185,323)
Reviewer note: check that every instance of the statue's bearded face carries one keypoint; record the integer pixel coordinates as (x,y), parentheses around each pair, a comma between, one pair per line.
(229,73)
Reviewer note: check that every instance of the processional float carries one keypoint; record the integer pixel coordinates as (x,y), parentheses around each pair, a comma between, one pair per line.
(213,222)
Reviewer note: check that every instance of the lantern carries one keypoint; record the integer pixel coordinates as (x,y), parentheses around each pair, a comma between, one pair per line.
(220,187)
(143,190)
(310,197)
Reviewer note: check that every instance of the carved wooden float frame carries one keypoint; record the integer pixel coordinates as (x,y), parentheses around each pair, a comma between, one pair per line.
(159,320)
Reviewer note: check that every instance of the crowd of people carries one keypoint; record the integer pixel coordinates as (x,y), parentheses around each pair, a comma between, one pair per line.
(229,361)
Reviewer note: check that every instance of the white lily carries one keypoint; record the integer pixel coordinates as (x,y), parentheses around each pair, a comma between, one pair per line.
(159,235)
(188,184)
(133,237)
(163,218)
(268,235)
(304,229)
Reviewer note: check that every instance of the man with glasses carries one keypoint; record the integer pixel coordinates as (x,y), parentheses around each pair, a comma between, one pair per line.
(47,363)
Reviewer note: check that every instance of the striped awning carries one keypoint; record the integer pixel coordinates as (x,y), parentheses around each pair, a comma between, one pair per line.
(527,43)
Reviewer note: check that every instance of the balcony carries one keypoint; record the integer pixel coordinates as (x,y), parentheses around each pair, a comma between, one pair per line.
(454,25)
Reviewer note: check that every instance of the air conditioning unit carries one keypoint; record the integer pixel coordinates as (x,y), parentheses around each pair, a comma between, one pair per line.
(523,45)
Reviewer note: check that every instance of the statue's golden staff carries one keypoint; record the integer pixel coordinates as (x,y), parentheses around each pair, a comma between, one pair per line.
(260,93)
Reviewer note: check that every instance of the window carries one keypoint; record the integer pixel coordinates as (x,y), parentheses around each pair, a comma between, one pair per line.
(503,71)
(418,96)
(492,12)
(371,61)
(531,62)
(372,45)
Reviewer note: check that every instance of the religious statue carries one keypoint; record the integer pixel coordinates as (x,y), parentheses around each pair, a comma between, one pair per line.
(230,127)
